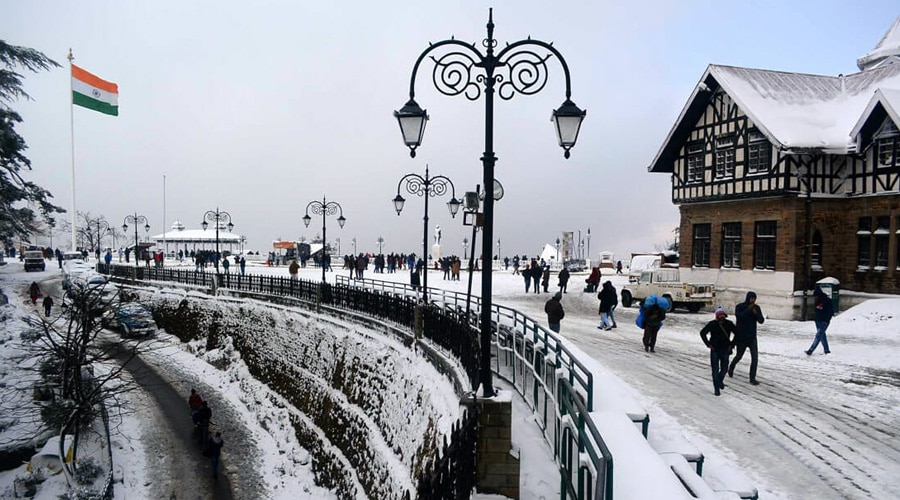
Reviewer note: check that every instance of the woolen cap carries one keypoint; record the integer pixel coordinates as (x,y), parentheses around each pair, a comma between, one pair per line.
(720,312)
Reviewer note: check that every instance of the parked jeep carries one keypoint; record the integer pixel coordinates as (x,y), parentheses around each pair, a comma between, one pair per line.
(666,282)
(34,260)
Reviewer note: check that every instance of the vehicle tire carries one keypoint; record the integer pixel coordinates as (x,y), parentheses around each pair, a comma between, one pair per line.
(671,303)
(694,307)
(626,298)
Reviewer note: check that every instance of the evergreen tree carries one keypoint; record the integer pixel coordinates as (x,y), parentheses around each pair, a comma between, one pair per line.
(19,197)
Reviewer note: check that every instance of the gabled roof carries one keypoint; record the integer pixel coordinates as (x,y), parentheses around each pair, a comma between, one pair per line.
(888,46)
(795,111)
(885,103)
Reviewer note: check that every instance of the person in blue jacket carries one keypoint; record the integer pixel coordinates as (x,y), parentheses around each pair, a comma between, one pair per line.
(824,312)
(747,315)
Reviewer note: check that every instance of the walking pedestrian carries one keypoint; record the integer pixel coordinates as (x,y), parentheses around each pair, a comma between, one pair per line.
(536,273)
(195,402)
(824,312)
(545,279)
(48,304)
(554,310)
(526,274)
(293,269)
(746,315)
(607,298)
(653,315)
(214,451)
(619,267)
(204,417)
(717,337)
(243,265)
(563,279)
(34,291)
(226,264)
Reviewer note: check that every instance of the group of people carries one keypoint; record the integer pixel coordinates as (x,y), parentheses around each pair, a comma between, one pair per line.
(201,415)
(721,336)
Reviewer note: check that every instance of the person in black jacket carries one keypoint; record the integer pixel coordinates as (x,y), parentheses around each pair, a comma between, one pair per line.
(824,312)
(563,279)
(608,300)
(717,337)
(747,314)
(554,310)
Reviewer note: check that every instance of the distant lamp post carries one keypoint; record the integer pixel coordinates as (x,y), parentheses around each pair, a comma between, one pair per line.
(557,251)
(499,250)
(217,217)
(462,69)
(589,242)
(136,220)
(465,246)
(102,227)
(324,207)
(337,241)
(380,241)
(426,187)
(354,244)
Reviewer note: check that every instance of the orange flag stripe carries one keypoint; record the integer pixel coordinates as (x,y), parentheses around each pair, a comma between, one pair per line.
(93,80)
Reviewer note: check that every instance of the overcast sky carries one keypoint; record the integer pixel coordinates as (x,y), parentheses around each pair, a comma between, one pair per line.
(259,108)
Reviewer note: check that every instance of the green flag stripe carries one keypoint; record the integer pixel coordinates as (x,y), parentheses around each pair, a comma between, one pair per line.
(90,103)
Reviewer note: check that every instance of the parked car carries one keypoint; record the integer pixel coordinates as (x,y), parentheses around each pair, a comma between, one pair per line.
(34,260)
(131,319)
(98,295)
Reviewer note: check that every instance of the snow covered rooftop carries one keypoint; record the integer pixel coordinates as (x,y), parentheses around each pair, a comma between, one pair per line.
(797,112)
(888,46)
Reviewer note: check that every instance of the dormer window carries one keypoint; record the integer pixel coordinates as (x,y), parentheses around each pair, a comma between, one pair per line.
(887,144)
(758,153)
(725,157)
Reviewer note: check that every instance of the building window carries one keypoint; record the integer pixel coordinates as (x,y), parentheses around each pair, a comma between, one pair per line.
(864,243)
(764,245)
(695,163)
(882,235)
(887,144)
(701,245)
(731,245)
(725,157)
(815,251)
(758,158)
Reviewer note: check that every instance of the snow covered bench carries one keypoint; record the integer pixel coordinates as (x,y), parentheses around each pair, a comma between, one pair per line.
(730,481)
(612,394)
(693,483)
(672,441)
(638,471)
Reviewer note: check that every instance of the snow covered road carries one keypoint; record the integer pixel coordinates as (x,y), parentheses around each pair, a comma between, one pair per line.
(816,427)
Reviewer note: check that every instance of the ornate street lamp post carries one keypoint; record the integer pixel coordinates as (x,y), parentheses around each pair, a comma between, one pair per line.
(136,220)
(557,251)
(217,217)
(380,241)
(324,207)
(462,69)
(426,187)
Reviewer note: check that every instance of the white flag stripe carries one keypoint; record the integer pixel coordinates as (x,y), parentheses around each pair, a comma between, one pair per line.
(94,92)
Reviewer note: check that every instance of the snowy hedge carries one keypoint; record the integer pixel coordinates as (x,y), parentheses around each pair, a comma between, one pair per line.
(376,410)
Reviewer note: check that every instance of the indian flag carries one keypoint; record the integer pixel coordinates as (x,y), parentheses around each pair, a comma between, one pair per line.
(91,92)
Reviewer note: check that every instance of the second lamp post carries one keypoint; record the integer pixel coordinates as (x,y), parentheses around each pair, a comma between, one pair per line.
(324,207)
(217,218)
(136,219)
(426,187)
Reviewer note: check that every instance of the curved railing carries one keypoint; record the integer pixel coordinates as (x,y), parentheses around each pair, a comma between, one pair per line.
(550,378)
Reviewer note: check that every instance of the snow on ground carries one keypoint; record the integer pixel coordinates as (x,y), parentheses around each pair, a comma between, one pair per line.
(817,427)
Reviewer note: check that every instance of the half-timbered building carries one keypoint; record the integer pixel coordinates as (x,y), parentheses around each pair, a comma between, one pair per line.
(784,178)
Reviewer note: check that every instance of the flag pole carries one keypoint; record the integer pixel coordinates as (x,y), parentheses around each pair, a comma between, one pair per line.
(165,241)
(72,140)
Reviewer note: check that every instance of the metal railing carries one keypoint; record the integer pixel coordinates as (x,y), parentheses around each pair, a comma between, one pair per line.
(552,380)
